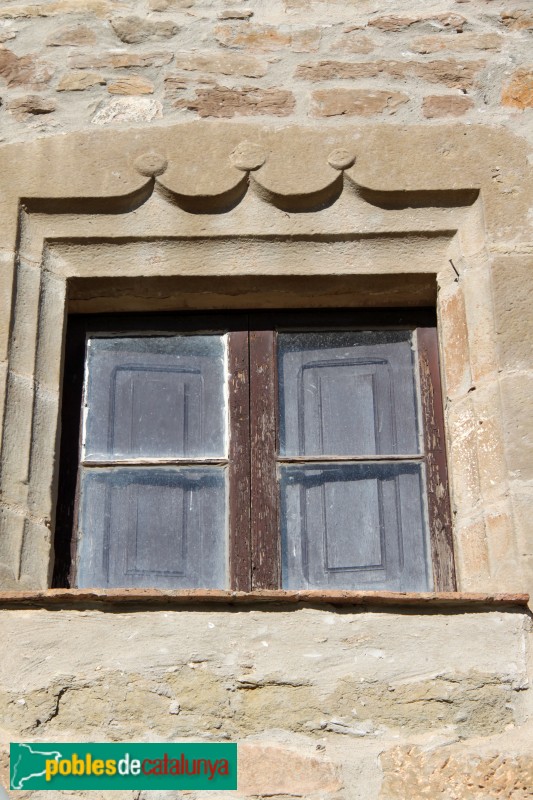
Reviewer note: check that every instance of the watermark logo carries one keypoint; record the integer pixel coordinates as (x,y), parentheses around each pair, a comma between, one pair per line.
(107,766)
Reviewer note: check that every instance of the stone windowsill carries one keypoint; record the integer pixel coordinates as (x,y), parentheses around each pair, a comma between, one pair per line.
(53,598)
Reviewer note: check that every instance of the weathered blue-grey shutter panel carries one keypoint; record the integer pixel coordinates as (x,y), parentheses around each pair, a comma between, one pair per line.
(354,526)
(347,393)
(151,397)
(360,525)
(155,396)
(164,528)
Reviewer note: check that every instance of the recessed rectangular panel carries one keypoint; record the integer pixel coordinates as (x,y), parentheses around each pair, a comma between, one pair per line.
(164,528)
(354,526)
(347,393)
(155,396)
(342,502)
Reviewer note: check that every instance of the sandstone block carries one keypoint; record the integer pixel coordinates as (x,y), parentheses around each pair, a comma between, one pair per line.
(134,30)
(356,102)
(221,101)
(463,449)
(268,37)
(79,81)
(100,8)
(455,345)
(450,72)
(394,23)
(411,773)
(131,84)
(165,5)
(268,769)
(356,43)
(519,91)
(477,704)
(128,109)
(72,37)
(174,86)
(236,13)
(119,60)
(35,563)
(465,42)
(23,70)
(346,70)
(222,63)
(518,19)
(31,104)
(12,533)
(513,310)
(446,105)
(517,400)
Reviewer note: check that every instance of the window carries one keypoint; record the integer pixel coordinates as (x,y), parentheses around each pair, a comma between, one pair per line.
(297,450)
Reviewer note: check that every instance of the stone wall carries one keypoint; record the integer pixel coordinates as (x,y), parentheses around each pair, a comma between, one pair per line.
(325,706)
(433,101)
(68,64)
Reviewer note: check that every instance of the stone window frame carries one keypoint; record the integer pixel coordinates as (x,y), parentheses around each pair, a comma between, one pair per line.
(299,215)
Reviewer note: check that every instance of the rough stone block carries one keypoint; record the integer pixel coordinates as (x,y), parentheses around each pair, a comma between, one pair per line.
(134,30)
(473,704)
(128,109)
(79,81)
(451,73)
(446,105)
(119,60)
(263,38)
(394,23)
(28,70)
(518,93)
(513,310)
(454,338)
(517,401)
(463,451)
(356,102)
(131,84)
(450,773)
(464,43)
(221,63)
(31,105)
(100,8)
(35,556)
(356,42)
(236,13)
(221,101)
(522,502)
(166,5)
(11,536)
(269,769)
(72,36)
(518,19)
(488,431)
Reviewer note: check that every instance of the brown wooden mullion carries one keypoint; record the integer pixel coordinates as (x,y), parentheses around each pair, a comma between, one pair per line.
(240,568)
(263,438)
(440,520)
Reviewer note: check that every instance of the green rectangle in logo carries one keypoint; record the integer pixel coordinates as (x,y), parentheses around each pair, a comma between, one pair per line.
(107,766)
